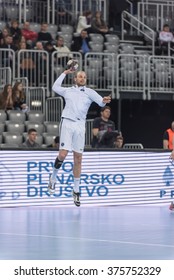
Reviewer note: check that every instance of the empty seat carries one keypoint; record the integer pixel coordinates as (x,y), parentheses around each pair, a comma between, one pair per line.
(96,38)
(15,127)
(3,116)
(49,139)
(112,39)
(0,138)
(52,128)
(66,29)
(111,48)
(36,117)
(96,47)
(38,126)
(11,13)
(16,116)
(12,138)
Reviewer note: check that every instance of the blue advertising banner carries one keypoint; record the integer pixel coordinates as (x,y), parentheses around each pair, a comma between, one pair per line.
(108,178)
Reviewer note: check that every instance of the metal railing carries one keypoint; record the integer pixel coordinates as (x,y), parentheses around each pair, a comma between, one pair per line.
(54,107)
(155,15)
(5,76)
(137,27)
(48,11)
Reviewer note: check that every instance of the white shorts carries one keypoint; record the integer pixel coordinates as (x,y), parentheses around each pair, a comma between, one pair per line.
(72,135)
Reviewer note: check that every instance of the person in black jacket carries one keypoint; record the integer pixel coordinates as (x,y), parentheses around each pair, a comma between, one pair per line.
(81,43)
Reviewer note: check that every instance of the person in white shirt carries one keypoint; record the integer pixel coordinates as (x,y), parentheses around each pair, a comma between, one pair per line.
(78,99)
(84,22)
(165,35)
(63,52)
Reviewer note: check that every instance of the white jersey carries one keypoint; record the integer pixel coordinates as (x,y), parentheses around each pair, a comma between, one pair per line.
(77,99)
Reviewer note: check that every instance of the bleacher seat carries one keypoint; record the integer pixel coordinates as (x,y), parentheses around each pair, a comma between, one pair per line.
(16,116)
(52,128)
(48,139)
(3,116)
(15,127)
(40,128)
(36,117)
(12,138)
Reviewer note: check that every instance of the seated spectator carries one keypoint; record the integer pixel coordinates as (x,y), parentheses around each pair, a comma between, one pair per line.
(101,125)
(30,36)
(84,22)
(118,143)
(108,139)
(98,24)
(165,36)
(31,139)
(6,100)
(7,55)
(55,143)
(81,43)
(5,33)
(18,96)
(64,53)
(168,138)
(43,35)
(15,31)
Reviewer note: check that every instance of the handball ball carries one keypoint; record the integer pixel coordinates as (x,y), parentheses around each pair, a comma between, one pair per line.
(72,65)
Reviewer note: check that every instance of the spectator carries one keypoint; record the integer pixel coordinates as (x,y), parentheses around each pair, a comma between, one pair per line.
(98,24)
(168,138)
(5,33)
(31,139)
(64,53)
(81,43)
(55,143)
(30,36)
(6,101)
(7,55)
(84,22)
(18,96)
(101,125)
(118,143)
(15,31)
(43,35)
(165,37)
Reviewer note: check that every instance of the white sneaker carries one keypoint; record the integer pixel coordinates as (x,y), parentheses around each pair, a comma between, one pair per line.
(51,186)
(76,197)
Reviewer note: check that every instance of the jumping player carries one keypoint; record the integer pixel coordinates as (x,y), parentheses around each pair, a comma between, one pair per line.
(78,99)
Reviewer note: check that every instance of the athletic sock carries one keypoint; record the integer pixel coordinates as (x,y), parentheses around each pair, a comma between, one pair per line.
(76,185)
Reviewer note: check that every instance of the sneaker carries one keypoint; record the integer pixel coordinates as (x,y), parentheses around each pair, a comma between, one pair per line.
(51,186)
(76,197)
(171,207)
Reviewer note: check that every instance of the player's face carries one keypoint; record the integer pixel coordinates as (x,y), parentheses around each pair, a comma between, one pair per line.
(80,79)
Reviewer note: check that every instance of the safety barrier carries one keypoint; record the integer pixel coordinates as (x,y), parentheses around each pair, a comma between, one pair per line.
(109,178)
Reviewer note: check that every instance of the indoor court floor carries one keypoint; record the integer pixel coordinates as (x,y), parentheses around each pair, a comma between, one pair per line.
(87,233)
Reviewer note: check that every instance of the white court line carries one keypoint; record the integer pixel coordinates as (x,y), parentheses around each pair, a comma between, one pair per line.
(88,239)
